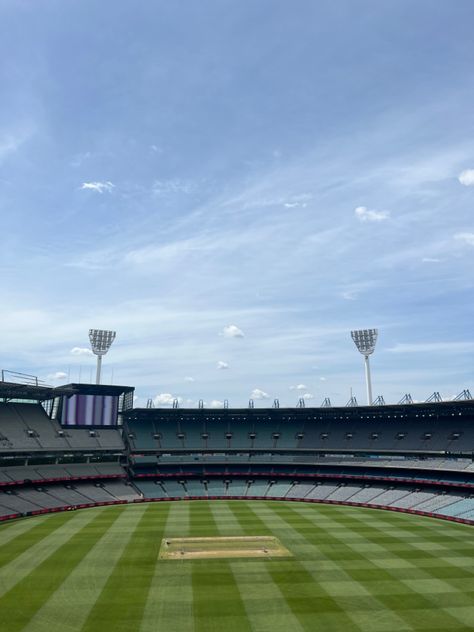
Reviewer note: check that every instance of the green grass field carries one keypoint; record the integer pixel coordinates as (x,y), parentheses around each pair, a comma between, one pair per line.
(97,570)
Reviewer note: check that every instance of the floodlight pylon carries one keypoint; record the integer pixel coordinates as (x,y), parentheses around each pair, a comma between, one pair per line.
(101,341)
(365,340)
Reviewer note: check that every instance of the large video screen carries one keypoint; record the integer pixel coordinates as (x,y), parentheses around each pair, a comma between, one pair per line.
(90,410)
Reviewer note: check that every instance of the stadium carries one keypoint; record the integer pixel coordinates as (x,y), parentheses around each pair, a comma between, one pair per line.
(307,518)
(238,189)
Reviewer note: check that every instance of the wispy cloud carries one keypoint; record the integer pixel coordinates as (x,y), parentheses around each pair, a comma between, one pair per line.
(81,351)
(221,365)
(79,159)
(99,187)
(11,139)
(467,238)
(173,186)
(364,214)
(433,347)
(58,375)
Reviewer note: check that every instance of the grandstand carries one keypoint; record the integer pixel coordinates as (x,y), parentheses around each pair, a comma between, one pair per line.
(406,457)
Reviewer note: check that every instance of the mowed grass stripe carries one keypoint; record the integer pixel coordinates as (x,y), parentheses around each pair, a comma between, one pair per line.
(68,607)
(454,554)
(217,604)
(459,604)
(37,586)
(22,541)
(313,607)
(266,607)
(420,559)
(169,605)
(60,529)
(120,605)
(16,528)
(366,611)
(371,572)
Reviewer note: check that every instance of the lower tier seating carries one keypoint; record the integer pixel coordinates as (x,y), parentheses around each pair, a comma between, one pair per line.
(435,501)
(22,500)
(25,499)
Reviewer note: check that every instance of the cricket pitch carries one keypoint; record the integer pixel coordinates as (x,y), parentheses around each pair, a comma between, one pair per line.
(217,547)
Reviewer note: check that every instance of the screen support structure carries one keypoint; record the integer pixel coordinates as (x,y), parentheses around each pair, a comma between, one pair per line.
(365,340)
(101,341)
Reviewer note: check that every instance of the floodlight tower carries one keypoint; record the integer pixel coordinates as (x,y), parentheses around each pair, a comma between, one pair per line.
(365,340)
(101,340)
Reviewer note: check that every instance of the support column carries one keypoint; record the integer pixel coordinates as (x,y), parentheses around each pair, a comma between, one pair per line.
(99,367)
(368,380)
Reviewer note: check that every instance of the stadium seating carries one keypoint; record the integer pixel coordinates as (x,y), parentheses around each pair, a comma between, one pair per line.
(279,490)
(311,433)
(70,470)
(27,428)
(421,464)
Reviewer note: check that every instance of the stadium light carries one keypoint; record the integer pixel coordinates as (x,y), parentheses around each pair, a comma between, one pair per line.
(101,340)
(365,340)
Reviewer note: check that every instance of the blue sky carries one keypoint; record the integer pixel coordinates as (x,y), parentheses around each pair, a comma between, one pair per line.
(233,187)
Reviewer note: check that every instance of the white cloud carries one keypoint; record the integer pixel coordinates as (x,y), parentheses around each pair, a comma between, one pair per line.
(364,214)
(166,399)
(81,351)
(298,387)
(322,379)
(216,403)
(257,393)
(430,260)
(308,396)
(232,331)
(351,295)
(188,378)
(467,238)
(295,204)
(100,187)
(59,375)
(222,365)
(466,177)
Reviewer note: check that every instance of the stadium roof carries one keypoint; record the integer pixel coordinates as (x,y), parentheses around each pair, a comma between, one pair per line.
(14,390)
(343,412)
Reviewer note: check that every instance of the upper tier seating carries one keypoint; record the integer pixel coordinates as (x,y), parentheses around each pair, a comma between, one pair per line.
(423,435)
(27,428)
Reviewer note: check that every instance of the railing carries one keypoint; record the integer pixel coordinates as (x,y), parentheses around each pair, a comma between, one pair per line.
(21,378)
